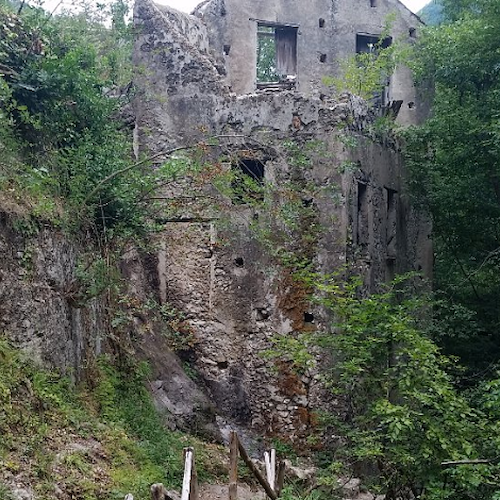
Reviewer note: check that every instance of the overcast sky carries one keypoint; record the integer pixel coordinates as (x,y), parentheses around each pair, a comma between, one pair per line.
(189,5)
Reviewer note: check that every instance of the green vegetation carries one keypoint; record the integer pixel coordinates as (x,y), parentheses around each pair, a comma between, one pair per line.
(454,159)
(94,443)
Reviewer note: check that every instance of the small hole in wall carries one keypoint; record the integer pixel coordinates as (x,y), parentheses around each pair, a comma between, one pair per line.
(308,318)
(262,314)
(239,262)
(322,58)
(222,365)
(413,33)
(223,11)
(411,104)
(321,22)
(227,49)
(373,3)
(307,202)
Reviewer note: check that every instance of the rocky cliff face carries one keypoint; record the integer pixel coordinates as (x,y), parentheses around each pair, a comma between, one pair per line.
(44,311)
(38,312)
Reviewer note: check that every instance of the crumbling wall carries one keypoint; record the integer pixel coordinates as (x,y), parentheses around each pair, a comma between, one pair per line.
(235,294)
(326,36)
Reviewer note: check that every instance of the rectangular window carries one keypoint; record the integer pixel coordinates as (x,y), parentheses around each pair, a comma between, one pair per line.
(368,44)
(362,216)
(391,223)
(276,55)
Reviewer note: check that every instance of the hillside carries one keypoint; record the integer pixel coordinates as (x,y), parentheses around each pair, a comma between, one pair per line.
(432,13)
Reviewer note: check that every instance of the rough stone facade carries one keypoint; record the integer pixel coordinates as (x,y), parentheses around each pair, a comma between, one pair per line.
(234,294)
(328,31)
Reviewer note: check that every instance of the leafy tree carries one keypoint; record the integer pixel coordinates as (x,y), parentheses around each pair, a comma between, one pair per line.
(454,159)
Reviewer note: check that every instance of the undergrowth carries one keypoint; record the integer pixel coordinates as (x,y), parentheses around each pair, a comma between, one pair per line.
(98,442)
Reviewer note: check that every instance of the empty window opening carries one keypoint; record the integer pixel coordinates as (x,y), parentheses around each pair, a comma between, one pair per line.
(322,58)
(321,22)
(362,223)
(253,168)
(413,33)
(222,365)
(411,104)
(239,262)
(248,181)
(368,44)
(391,222)
(227,49)
(308,318)
(373,3)
(276,55)
(307,202)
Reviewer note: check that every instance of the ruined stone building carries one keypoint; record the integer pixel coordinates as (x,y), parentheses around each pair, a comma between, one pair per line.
(244,77)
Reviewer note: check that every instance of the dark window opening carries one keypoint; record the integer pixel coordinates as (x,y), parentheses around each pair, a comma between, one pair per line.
(322,58)
(239,262)
(362,223)
(391,223)
(321,23)
(227,49)
(248,181)
(222,365)
(253,168)
(413,33)
(276,55)
(373,3)
(371,44)
(308,318)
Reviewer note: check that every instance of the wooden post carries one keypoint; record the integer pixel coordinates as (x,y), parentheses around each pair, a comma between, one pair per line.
(158,492)
(281,478)
(193,494)
(272,482)
(233,466)
(256,472)
(188,467)
(269,471)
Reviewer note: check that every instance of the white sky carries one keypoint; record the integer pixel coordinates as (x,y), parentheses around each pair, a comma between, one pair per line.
(189,5)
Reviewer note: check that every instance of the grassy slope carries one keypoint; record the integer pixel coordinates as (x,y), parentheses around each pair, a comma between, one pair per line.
(97,442)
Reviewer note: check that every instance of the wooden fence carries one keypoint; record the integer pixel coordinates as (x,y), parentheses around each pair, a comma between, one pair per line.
(272,483)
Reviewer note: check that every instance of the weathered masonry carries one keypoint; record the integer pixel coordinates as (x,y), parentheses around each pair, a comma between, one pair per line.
(294,44)
(202,78)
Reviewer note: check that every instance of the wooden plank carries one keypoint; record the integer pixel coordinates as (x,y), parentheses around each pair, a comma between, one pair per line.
(272,482)
(454,463)
(188,465)
(269,472)
(281,478)
(233,466)
(193,494)
(256,472)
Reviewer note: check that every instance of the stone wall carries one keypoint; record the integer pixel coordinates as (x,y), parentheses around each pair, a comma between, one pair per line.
(327,32)
(235,294)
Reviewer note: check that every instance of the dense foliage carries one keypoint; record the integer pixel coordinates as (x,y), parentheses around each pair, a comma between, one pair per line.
(455,162)
(65,80)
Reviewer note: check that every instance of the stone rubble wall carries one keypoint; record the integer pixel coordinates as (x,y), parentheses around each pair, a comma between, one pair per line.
(235,296)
